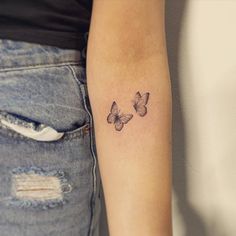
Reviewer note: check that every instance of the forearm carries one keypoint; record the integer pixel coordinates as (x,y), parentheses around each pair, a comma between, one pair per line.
(135,161)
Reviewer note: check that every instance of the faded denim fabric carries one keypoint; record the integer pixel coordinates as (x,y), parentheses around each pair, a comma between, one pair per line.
(49,176)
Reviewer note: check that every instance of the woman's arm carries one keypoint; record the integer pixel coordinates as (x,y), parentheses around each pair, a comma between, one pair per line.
(126,55)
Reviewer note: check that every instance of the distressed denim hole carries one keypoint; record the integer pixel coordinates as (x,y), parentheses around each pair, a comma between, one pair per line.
(36,187)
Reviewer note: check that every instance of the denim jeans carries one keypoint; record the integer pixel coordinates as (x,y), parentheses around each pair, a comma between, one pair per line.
(49,176)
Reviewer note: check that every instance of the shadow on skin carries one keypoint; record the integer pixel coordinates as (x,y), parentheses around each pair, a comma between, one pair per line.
(193,223)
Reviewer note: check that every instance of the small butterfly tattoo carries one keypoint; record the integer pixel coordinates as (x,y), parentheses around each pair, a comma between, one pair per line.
(118,119)
(140,102)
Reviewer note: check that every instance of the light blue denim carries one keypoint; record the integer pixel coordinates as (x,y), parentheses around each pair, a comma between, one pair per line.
(49,183)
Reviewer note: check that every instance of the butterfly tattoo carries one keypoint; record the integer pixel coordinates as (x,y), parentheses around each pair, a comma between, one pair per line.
(140,102)
(118,119)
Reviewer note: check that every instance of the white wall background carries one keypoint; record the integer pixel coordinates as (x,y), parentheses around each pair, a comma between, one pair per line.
(201,40)
(201,37)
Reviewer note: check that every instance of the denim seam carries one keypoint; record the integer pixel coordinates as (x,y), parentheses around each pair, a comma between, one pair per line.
(76,82)
(35,66)
(93,154)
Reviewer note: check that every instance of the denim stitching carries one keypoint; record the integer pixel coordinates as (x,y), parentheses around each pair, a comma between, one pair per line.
(76,81)
(94,168)
(91,148)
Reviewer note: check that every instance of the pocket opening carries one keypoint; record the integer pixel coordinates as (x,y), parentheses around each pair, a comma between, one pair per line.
(29,129)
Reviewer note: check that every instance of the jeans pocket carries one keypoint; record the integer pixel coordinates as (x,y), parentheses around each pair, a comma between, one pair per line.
(43,104)
(20,127)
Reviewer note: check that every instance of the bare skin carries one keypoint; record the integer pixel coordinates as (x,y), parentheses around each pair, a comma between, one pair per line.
(130,95)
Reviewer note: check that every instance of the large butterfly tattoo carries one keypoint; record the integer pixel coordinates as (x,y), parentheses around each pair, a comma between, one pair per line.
(140,102)
(118,119)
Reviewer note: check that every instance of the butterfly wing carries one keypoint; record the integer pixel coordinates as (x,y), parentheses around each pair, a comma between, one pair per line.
(114,108)
(136,98)
(140,102)
(143,100)
(118,125)
(111,118)
(125,118)
(141,110)
(114,112)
